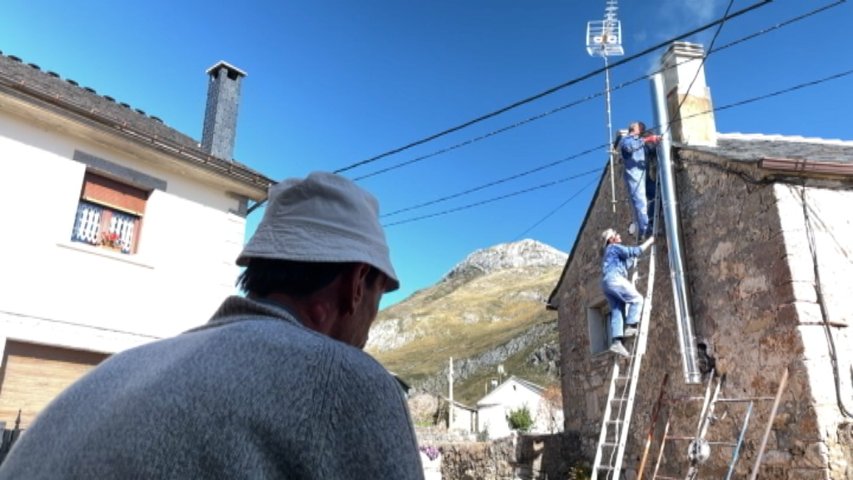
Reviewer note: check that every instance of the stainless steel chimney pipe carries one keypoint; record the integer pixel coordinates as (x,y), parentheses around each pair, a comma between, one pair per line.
(684,321)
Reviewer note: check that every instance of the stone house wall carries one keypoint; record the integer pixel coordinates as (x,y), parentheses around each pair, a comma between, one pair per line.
(516,457)
(751,282)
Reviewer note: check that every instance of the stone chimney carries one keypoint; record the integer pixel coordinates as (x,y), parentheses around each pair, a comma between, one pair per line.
(693,123)
(220,115)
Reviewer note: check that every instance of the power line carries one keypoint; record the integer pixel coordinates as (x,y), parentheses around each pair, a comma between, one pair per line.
(779,25)
(482,137)
(519,192)
(625,84)
(554,89)
(494,199)
(786,90)
(701,65)
(597,94)
(555,210)
(496,182)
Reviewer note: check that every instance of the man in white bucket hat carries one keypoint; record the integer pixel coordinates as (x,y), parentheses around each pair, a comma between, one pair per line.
(275,385)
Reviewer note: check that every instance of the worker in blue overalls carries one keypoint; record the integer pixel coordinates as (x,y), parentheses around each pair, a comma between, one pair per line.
(633,148)
(618,289)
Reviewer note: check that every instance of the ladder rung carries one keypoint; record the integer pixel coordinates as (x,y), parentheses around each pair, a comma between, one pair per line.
(724,444)
(615,421)
(606,467)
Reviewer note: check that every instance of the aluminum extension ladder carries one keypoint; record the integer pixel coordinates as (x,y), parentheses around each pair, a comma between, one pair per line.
(616,421)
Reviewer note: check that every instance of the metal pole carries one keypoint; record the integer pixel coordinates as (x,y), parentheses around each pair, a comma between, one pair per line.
(739,442)
(652,425)
(662,446)
(609,146)
(450,385)
(684,321)
(760,456)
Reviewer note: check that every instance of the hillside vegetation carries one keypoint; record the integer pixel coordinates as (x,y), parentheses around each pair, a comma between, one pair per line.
(489,310)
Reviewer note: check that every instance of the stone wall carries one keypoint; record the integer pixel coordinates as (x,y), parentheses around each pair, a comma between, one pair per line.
(524,457)
(823,313)
(751,281)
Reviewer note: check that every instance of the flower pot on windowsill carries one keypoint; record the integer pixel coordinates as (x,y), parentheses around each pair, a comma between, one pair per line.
(111,241)
(112,248)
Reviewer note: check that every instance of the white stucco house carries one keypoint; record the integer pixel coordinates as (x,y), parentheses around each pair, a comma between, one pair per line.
(512,394)
(462,417)
(118,230)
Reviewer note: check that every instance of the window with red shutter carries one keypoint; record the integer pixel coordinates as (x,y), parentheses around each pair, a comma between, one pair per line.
(109,214)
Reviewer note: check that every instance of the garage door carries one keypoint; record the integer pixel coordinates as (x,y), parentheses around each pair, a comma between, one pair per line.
(32,375)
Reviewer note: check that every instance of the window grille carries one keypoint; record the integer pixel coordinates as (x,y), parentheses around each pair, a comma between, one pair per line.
(87,225)
(109,214)
(123,224)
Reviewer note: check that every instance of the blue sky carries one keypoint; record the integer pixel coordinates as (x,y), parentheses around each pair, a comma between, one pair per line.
(331,83)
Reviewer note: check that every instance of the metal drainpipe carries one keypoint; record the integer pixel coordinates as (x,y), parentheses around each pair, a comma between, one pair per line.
(684,321)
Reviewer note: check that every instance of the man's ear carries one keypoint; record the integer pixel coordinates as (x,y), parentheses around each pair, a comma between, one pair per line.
(353,284)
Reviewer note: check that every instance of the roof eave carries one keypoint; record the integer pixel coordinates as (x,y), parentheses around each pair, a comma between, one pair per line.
(195,157)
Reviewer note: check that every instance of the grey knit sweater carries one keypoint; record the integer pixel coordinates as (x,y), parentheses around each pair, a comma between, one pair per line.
(251,394)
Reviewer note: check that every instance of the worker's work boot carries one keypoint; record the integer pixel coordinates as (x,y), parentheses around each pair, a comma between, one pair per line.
(617,348)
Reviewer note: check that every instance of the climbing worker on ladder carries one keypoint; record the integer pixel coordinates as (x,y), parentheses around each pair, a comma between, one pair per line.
(618,289)
(633,148)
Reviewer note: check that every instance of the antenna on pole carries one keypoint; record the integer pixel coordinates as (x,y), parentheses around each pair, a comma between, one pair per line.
(603,39)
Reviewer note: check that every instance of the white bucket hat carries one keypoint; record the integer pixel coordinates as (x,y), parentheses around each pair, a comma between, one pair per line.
(606,236)
(322,218)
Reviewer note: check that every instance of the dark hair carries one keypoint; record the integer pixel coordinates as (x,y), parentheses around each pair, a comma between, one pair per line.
(265,275)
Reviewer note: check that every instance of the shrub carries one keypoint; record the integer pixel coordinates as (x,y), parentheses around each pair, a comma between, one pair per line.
(520,419)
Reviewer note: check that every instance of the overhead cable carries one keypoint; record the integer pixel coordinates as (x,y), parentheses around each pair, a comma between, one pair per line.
(495,199)
(786,90)
(700,67)
(496,182)
(592,96)
(705,112)
(555,210)
(597,94)
(821,300)
(557,88)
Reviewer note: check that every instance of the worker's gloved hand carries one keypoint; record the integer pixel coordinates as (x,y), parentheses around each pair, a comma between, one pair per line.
(651,139)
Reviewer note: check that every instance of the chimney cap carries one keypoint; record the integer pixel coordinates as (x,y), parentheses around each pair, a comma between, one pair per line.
(226,65)
(685,49)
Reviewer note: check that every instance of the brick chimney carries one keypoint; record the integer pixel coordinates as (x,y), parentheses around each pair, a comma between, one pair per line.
(220,115)
(693,123)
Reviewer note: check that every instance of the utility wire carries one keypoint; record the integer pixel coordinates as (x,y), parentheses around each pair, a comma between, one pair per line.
(717,109)
(779,25)
(625,84)
(597,94)
(477,139)
(786,90)
(495,199)
(554,89)
(701,66)
(496,182)
(555,210)
(824,312)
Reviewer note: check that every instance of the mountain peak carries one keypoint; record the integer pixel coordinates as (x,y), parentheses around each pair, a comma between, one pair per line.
(524,253)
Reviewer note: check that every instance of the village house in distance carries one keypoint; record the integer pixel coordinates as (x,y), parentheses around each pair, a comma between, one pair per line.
(765,227)
(112,217)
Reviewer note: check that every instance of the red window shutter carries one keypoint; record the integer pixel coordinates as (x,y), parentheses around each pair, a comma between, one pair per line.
(113,194)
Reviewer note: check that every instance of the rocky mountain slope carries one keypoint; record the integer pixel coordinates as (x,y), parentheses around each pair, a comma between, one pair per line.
(487,311)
